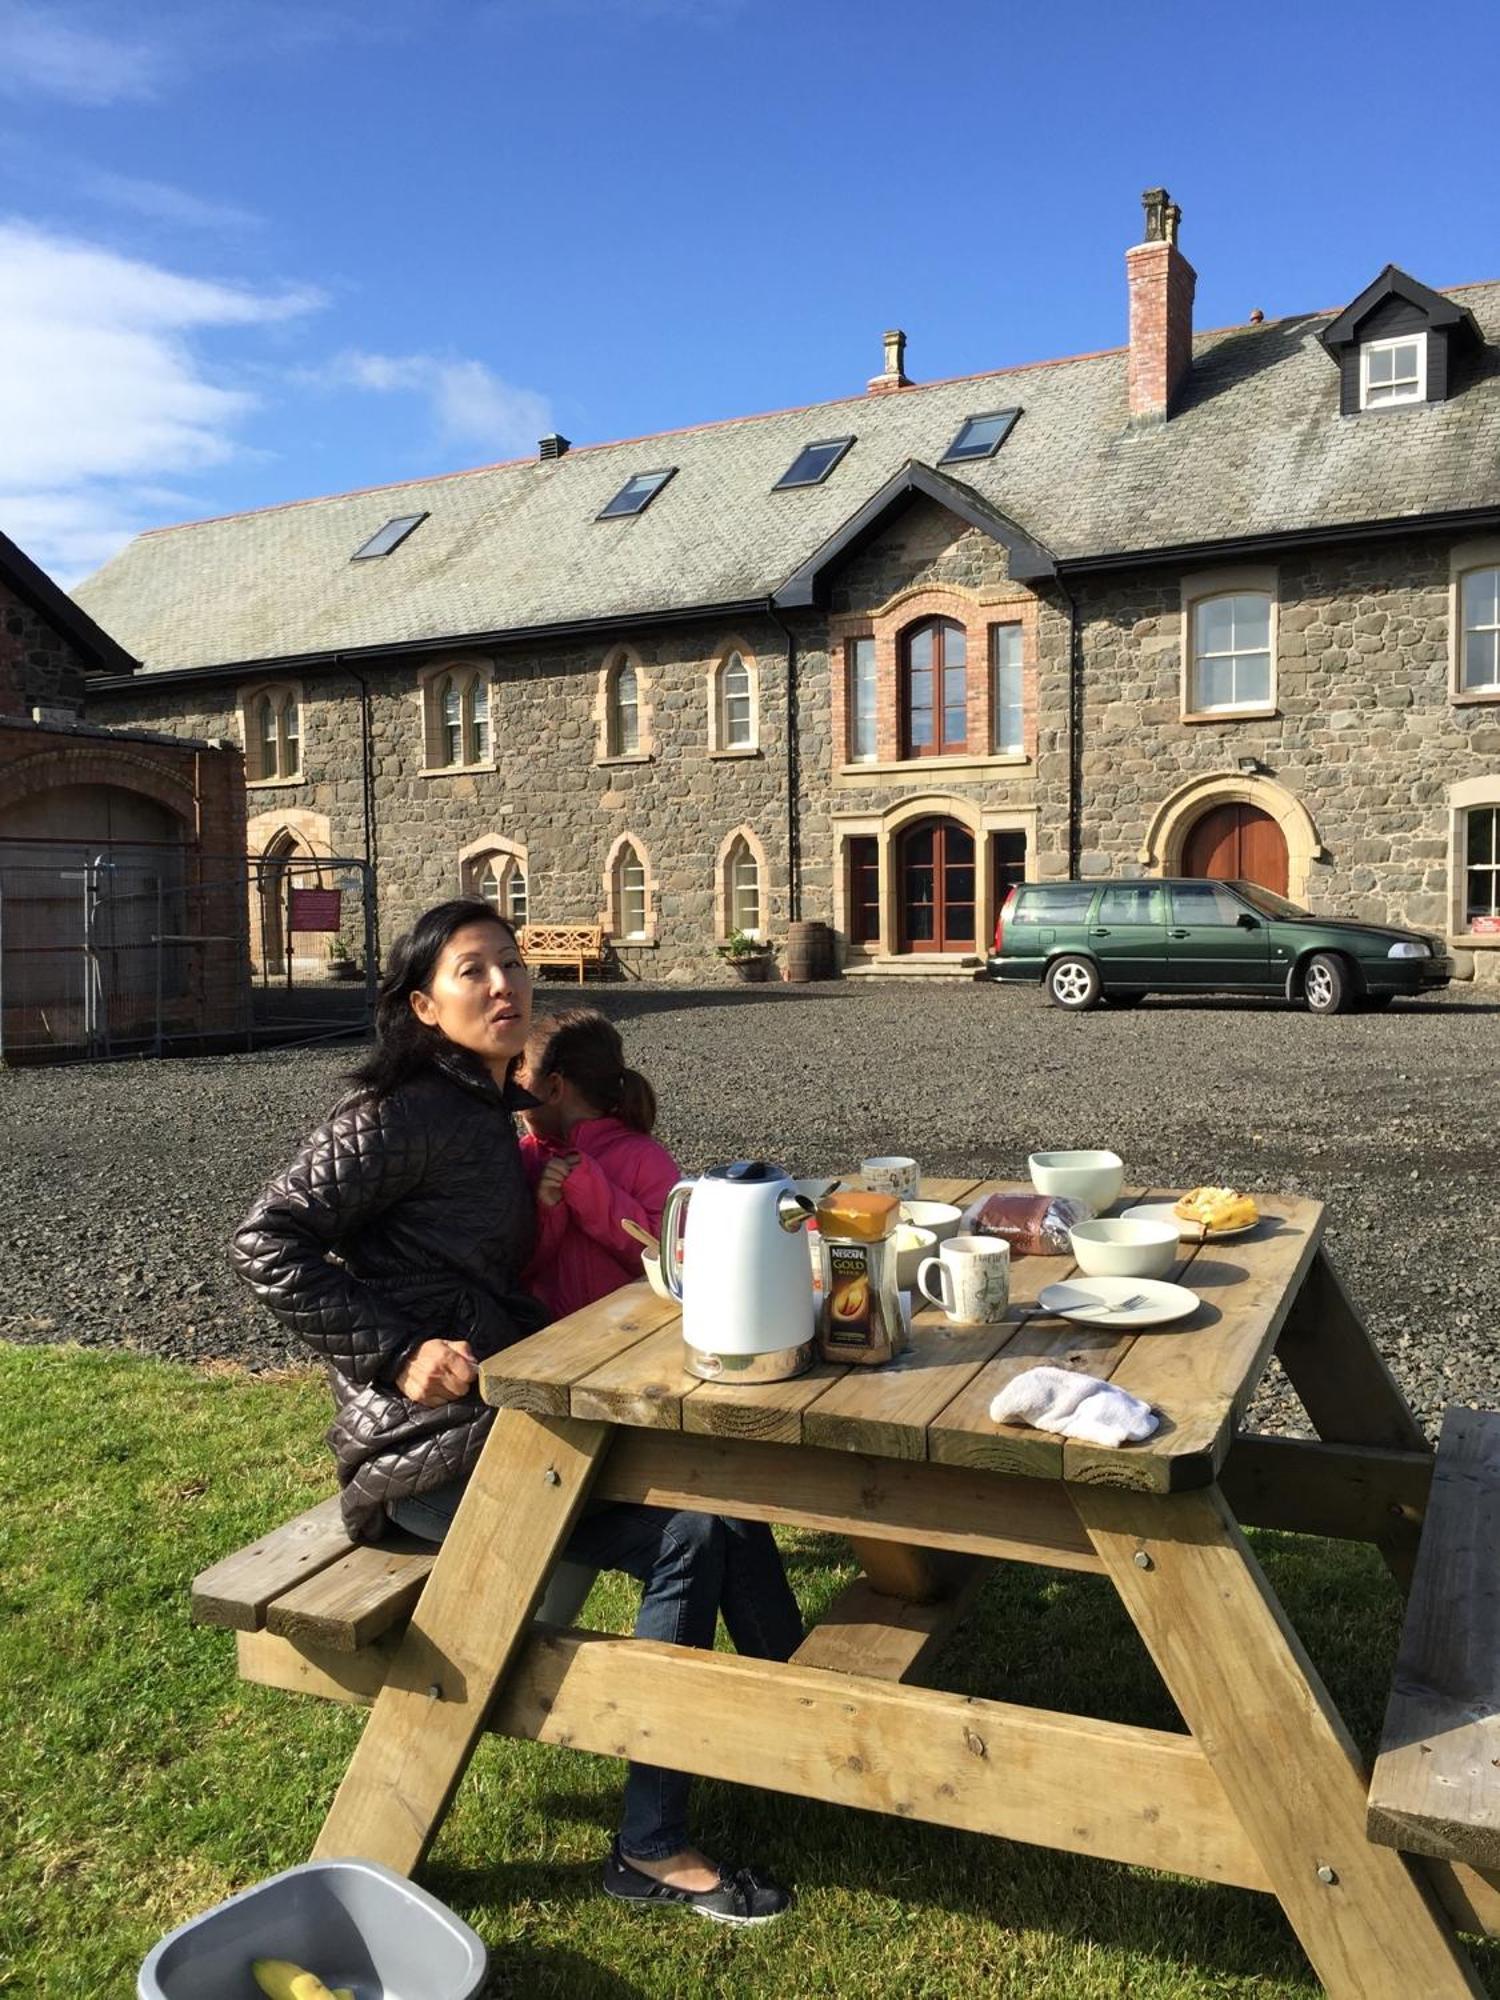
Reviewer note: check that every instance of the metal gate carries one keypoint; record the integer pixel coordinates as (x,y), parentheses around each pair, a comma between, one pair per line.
(145,947)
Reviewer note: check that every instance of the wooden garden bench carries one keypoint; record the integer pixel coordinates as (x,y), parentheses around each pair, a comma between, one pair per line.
(580,946)
(1435,1788)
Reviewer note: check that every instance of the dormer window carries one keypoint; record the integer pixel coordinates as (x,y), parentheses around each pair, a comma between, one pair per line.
(1393,371)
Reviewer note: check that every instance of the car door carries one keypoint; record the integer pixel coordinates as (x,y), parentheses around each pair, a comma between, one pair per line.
(1215,942)
(1129,936)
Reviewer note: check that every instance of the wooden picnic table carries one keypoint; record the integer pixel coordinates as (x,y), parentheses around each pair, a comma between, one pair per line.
(1264,1789)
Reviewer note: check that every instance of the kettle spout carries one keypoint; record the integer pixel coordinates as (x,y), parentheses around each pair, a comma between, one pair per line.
(792,1210)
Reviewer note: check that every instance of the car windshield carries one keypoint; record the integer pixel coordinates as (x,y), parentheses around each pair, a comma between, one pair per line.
(1267,901)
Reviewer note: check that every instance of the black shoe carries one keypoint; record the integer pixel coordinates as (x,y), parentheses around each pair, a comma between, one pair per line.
(742,1896)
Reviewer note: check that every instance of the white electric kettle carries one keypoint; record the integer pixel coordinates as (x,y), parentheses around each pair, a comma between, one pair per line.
(745,1278)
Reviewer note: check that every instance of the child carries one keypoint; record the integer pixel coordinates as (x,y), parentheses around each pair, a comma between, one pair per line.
(590,1158)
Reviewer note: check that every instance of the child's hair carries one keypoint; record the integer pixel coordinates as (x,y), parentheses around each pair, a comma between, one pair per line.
(585,1048)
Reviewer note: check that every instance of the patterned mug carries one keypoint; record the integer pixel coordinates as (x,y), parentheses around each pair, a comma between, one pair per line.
(972,1279)
(891,1173)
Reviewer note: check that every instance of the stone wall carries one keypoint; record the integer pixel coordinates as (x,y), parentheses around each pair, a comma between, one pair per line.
(38,666)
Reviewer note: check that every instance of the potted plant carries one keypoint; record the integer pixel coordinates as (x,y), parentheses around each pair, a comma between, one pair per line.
(341,962)
(749,958)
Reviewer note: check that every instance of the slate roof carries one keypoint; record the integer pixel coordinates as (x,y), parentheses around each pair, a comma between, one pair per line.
(1255,446)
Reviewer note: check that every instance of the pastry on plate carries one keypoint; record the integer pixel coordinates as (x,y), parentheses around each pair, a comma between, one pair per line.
(1217,1208)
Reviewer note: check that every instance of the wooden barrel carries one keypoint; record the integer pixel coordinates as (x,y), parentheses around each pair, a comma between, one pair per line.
(809,953)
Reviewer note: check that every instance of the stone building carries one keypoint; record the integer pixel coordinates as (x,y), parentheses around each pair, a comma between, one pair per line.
(89,817)
(1219,603)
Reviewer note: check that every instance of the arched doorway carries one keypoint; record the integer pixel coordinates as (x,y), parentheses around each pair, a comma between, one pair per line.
(935,886)
(1235,842)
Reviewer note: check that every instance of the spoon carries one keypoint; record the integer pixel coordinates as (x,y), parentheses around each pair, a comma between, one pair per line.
(642,1236)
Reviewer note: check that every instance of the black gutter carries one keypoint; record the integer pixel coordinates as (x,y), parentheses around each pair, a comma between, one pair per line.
(1075,735)
(793,752)
(393,649)
(1457,521)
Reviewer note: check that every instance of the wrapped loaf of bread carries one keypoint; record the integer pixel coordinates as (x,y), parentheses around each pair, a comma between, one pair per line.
(1034,1225)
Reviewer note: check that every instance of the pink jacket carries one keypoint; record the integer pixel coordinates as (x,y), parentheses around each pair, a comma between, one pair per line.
(582,1253)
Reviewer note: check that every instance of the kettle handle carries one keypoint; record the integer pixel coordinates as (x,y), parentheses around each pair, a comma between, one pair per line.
(671,1219)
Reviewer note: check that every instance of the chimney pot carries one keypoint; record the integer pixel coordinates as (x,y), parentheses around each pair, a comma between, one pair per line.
(553,445)
(1161,282)
(894,375)
(1257,317)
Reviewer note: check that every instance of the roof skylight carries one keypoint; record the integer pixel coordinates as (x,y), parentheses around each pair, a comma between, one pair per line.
(979,437)
(636,495)
(389,537)
(813,463)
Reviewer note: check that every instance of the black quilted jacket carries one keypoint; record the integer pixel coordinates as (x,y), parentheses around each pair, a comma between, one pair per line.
(397,1222)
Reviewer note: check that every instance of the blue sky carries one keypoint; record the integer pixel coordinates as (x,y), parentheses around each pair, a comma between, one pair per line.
(252,250)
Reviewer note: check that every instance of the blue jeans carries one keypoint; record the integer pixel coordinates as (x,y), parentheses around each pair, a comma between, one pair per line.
(693,1566)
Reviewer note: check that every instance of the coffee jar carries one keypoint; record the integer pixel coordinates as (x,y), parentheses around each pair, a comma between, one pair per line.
(859,1313)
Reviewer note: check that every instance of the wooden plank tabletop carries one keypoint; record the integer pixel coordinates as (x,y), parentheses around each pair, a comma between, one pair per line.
(621,1361)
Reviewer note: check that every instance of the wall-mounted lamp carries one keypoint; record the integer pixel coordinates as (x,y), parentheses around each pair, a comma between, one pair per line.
(1249,765)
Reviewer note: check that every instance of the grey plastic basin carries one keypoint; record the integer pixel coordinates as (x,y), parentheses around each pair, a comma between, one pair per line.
(353,1923)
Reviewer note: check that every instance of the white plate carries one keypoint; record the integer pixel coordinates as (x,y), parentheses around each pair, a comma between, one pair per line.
(1165,1211)
(1087,1300)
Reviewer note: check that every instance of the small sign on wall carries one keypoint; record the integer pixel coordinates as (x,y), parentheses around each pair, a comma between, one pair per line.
(314,910)
(1485,926)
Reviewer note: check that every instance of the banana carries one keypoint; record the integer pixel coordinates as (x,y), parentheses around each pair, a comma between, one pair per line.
(279,1979)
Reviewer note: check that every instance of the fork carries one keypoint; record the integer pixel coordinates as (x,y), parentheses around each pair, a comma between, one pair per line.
(1125,1305)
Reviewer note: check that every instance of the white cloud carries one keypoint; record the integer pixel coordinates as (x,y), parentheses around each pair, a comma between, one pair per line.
(470,404)
(103,393)
(42,53)
(159,201)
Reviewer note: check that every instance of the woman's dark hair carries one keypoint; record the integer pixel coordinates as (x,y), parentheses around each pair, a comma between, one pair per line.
(586,1049)
(405,1046)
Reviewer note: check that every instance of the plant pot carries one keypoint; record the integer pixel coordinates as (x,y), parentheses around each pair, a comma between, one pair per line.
(343,968)
(753,970)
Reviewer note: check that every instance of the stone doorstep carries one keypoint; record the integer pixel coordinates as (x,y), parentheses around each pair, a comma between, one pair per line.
(916,965)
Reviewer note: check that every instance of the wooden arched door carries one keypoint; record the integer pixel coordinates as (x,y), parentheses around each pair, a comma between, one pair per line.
(1237,843)
(935,880)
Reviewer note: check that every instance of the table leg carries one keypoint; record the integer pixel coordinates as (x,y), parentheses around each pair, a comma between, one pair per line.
(517,1513)
(1259,1711)
(1348,1392)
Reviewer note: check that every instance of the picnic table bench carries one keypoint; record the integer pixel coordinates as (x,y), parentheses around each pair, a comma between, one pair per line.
(580,946)
(1264,1789)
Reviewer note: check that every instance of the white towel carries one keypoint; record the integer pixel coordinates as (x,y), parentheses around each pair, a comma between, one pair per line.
(1079,1406)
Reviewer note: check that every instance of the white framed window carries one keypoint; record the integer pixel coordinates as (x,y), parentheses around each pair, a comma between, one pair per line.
(1480,829)
(1008,691)
(624,712)
(1479,658)
(736,705)
(629,892)
(271,720)
(862,737)
(744,889)
(501,882)
(1231,653)
(456,719)
(1393,371)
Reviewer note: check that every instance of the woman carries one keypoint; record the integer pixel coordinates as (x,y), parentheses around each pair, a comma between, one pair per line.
(393,1245)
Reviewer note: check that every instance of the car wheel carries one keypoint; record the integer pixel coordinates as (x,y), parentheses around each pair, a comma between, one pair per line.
(1124,999)
(1073,984)
(1326,985)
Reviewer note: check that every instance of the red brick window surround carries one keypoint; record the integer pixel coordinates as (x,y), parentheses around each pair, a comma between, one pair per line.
(934,689)
(993,720)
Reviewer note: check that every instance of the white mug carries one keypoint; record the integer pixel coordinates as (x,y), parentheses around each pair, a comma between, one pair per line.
(891,1173)
(973,1279)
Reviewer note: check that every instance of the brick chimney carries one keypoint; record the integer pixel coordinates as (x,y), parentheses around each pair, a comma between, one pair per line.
(894,375)
(1161,282)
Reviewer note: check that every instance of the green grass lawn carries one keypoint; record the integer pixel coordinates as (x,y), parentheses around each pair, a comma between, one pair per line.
(142,1782)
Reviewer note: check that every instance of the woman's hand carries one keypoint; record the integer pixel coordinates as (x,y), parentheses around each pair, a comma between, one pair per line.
(439,1371)
(550,1187)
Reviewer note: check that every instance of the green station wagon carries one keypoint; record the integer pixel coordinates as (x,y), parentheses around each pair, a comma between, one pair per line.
(1118,941)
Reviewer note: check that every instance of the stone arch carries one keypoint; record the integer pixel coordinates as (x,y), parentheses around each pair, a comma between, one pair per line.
(48,770)
(273,840)
(612,861)
(718,747)
(510,857)
(605,751)
(1166,837)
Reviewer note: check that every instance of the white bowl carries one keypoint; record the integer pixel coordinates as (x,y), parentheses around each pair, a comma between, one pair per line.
(941,1217)
(651,1266)
(912,1245)
(1096,1178)
(1115,1248)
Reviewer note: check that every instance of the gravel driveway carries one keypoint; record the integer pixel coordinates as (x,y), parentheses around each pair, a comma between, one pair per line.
(120,1184)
